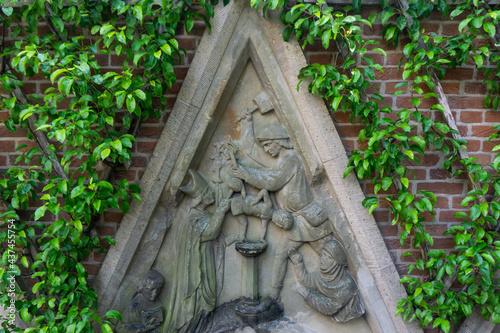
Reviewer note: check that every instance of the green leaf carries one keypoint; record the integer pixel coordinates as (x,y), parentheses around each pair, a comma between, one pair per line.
(445,325)
(105,153)
(140,94)
(7,10)
(138,57)
(56,73)
(77,191)
(40,212)
(325,38)
(131,105)
(114,315)
(106,329)
(479,60)
(335,103)
(463,24)
(24,314)
(189,24)
(490,29)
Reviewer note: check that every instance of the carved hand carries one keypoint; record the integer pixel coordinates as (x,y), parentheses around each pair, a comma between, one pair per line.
(301,290)
(240,173)
(224,206)
(244,117)
(295,256)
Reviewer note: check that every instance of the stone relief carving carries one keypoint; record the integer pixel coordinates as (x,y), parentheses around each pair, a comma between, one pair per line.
(297,212)
(195,293)
(256,173)
(333,292)
(145,312)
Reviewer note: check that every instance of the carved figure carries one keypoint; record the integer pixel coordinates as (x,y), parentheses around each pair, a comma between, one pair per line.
(287,179)
(145,312)
(333,292)
(259,205)
(195,295)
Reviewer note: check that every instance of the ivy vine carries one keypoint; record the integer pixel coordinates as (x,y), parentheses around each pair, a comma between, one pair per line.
(89,117)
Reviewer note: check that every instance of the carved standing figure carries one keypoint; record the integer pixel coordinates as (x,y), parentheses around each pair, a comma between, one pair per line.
(144,313)
(287,180)
(333,292)
(195,294)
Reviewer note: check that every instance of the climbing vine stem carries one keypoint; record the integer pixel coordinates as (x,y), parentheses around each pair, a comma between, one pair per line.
(85,118)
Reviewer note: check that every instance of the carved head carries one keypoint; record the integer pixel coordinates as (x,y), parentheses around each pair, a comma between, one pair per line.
(333,254)
(151,285)
(199,188)
(273,137)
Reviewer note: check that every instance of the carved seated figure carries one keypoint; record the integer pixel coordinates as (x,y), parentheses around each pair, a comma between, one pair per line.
(145,312)
(333,292)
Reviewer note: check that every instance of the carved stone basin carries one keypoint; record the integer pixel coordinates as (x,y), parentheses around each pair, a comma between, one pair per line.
(250,248)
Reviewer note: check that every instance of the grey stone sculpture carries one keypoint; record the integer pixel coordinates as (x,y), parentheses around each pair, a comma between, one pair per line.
(145,311)
(195,286)
(287,180)
(333,291)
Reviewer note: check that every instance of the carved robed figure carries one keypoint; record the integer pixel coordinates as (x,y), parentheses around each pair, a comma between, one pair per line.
(195,291)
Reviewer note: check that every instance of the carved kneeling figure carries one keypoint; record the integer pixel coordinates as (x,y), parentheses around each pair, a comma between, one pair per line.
(145,311)
(333,292)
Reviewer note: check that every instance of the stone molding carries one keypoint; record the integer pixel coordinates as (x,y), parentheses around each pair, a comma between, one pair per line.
(306,116)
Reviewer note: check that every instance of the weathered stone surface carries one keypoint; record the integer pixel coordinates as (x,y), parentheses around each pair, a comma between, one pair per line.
(243,56)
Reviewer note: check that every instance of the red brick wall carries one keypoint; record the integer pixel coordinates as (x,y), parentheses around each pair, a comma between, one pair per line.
(465,94)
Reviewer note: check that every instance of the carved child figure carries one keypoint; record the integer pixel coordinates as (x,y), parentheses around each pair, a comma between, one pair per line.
(333,292)
(145,311)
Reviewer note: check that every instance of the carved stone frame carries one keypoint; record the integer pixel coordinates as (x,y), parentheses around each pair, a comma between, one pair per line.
(238,34)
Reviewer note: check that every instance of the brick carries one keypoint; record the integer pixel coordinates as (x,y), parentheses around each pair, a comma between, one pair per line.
(492,117)
(475,88)
(450,29)
(145,147)
(198,29)
(92,269)
(321,58)
(483,159)
(465,102)
(471,116)
(447,216)
(443,202)
(317,47)
(388,230)
(405,102)
(390,73)
(394,244)
(99,257)
(180,72)
(114,217)
(442,187)
(430,27)
(451,88)
(149,132)
(427,160)
(349,130)
(474,145)
(436,229)
(349,145)
(187,43)
(459,74)
(7,146)
(381,215)
(482,131)
(489,145)
(443,243)
(105,231)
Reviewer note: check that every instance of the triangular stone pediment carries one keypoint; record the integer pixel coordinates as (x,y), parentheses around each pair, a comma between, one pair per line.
(244,66)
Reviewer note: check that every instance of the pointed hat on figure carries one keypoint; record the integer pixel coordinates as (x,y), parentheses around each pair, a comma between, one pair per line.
(196,186)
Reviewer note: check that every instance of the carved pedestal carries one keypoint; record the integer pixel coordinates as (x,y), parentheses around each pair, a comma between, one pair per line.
(248,310)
